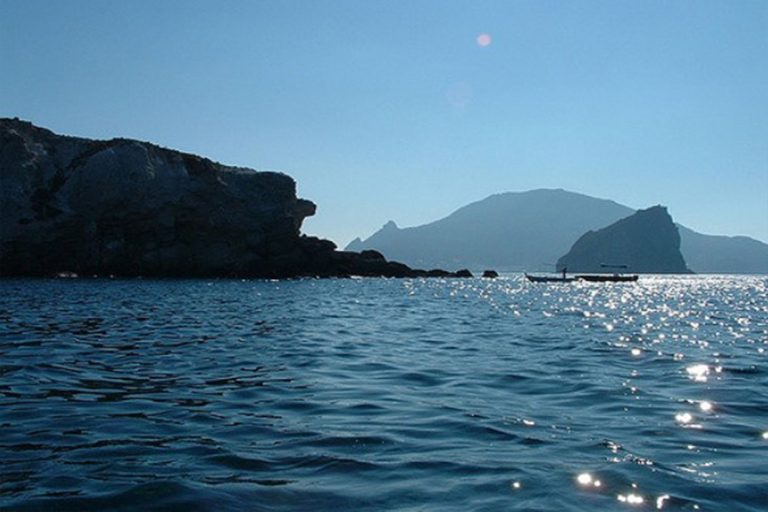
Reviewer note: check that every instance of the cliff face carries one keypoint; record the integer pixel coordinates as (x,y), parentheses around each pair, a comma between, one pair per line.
(646,242)
(132,208)
(129,208)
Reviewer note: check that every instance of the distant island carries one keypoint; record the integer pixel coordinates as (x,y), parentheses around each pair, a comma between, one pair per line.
(645,242)
(75,206)
(519,231)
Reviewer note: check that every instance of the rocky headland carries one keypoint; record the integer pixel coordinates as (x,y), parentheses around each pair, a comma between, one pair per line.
(122,207)
(647,241)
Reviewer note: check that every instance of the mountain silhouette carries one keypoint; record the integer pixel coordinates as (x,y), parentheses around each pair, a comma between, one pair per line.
(723,254)
(518,231)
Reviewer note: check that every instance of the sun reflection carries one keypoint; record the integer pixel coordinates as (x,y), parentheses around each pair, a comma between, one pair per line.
(686,420)
(706,406)
(698,372)
(586,480)
(660,501)
(631,499)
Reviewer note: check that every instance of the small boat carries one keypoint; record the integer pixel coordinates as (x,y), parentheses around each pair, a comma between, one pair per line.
(549,279)
(591,278)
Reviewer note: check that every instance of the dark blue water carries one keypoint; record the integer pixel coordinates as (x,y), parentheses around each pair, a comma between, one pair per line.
(380,394)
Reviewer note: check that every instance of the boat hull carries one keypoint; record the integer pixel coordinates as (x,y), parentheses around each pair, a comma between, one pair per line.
(592,278)
(549,279)
(598,278)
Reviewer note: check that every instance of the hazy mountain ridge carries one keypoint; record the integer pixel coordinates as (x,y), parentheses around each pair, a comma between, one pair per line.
(718,254)
(517,231)
(487,233)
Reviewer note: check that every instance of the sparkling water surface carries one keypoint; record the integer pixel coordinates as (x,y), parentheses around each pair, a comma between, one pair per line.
(384,394)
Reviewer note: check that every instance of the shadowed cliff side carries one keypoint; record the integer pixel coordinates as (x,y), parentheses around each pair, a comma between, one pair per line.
(131,208)
(646,242)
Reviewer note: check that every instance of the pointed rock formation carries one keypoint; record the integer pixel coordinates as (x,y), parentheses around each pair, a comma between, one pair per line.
(645,242)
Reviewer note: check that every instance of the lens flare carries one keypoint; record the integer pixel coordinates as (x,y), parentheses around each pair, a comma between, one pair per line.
(483,40)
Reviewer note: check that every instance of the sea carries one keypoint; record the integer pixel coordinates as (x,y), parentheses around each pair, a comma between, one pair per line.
(384,394)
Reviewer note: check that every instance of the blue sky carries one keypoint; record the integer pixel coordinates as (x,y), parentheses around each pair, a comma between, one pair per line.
(392,109)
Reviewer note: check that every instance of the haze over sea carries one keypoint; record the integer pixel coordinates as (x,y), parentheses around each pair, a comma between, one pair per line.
(377,394)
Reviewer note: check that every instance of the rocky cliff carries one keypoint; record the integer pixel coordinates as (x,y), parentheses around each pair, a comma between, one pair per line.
(131,208)
(645,242)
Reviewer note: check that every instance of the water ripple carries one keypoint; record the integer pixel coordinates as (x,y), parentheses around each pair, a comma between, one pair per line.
(377,394)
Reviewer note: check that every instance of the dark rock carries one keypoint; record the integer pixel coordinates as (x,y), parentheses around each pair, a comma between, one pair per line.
(370,254)
(645,242)
(438,272)
(126,207)
(72,206)
(491,274)
(464,273)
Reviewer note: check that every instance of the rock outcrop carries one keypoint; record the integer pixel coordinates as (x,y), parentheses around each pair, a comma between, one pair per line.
(71,205)
(645,242)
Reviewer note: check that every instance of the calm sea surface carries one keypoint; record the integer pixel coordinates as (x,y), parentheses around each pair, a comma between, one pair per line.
(375,394)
